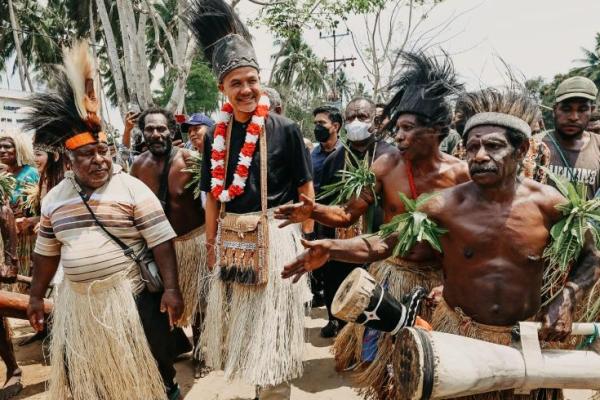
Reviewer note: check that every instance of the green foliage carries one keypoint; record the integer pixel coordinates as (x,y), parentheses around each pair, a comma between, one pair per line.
(413,226)
(356,177)
(567,236)
(194,168)
(7,186)
(202,94)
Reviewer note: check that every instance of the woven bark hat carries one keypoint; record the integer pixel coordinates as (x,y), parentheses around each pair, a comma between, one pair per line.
(224,39)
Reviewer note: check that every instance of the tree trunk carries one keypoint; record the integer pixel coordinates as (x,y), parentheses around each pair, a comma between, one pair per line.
(20,60)
(113,57)
(99,87)
(131,74)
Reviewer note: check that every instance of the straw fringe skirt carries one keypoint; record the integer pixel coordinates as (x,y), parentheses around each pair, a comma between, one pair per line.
(190,250)
(98,346)
(25,246)
(447,320)
(373,378)
(256,334)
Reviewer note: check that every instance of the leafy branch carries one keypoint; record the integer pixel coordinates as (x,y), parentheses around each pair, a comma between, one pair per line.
(413,226)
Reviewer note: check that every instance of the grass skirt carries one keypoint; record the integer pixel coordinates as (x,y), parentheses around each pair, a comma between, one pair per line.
(373,379)
(256,333)
(98,349)
(456,322)
(190,250)
(25,246)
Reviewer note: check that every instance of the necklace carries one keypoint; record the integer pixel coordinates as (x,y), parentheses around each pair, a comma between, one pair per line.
(221,146)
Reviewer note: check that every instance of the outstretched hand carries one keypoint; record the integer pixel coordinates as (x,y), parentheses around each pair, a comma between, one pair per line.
(314,257)
(295,213)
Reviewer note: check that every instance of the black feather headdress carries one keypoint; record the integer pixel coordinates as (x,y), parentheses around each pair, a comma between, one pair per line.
(423,88)
(70,108)
(221,34)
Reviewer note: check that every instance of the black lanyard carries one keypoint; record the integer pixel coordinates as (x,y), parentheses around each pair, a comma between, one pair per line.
(562,156)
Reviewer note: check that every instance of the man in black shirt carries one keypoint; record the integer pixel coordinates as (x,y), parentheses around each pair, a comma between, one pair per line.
(359,112)
(255,320)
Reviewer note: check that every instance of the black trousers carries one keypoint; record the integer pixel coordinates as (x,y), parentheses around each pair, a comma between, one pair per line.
(161,338)
(334,273)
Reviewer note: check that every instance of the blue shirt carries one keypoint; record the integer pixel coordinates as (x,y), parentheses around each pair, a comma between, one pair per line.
(318,156)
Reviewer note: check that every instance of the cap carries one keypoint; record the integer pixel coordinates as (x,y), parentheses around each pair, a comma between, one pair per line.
(576,86)
(197,119)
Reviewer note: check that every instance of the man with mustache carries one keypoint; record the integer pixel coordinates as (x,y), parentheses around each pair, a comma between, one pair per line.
(575,152)
(254,160)
(490,283)
(420,115)
(162,169)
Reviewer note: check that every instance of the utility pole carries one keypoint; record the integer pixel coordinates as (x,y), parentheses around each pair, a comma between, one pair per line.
(341,61)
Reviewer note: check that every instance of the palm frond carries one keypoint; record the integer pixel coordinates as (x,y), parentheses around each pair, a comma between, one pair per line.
(413,226)
(7,185)
(195,169)
(32,198)
(568,235)
(353,179)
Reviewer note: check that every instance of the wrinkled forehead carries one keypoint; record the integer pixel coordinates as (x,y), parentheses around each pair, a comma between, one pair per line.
(359,108)
(7,141)
(488,132)
(156,119)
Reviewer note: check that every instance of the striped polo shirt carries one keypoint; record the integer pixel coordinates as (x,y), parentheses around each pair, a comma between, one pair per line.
(124,205)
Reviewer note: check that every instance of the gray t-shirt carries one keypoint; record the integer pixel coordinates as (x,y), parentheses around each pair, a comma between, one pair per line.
(582,166)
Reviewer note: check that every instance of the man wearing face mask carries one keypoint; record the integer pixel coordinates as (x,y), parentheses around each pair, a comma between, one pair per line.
(360,128)
(328,122)
(421,115)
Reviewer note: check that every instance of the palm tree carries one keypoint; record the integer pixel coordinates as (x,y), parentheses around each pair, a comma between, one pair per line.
(299,68)
(591,69)
(343,86)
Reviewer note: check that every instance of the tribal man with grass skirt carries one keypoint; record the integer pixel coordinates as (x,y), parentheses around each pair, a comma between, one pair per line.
(111,334)
(420,119)
(254,160)
(495,236)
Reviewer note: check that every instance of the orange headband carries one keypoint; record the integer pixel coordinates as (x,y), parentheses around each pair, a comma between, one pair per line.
(81,139)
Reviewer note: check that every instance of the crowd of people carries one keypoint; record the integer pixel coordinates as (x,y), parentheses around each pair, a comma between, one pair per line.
(201,223)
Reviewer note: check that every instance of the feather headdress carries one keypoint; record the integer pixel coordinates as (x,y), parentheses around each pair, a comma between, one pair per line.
(423,88)
(512,108)
(71,108)
(221,34)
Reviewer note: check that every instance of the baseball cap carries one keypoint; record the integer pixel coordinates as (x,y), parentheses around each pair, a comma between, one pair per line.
(197,119)
(576,86)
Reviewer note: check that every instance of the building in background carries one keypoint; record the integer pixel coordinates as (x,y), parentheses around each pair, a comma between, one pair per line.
(12,107)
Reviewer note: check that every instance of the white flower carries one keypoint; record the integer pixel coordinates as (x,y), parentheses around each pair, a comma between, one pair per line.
(219,143)
(264,101)
(251,138)
(214,182)
(223,117)
(224,196)
(246,161)
(239,181)
(216,163)
(260,121)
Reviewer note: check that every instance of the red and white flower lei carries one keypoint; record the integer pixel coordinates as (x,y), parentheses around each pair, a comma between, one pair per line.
(219,151)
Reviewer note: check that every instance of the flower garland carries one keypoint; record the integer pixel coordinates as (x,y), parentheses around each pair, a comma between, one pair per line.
(219,151)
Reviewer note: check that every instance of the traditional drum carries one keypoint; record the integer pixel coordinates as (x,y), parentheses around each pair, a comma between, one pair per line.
(360,299)
(435,365)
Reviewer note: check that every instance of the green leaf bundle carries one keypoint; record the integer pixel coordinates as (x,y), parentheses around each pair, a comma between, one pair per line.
(413,226)
(195,169)
(353,179)
(567,237)
(7,185)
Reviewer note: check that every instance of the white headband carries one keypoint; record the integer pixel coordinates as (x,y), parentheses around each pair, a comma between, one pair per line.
(498,119)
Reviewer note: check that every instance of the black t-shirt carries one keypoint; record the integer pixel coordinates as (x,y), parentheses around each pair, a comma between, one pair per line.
(288,165)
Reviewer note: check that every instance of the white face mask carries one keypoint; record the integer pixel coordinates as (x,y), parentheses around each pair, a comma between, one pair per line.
(358,130)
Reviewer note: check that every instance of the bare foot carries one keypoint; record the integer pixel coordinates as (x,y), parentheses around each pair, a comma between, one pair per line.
(200,369)
(13,385)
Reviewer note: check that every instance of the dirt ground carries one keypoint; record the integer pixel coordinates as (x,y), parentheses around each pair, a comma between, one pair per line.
(320,381)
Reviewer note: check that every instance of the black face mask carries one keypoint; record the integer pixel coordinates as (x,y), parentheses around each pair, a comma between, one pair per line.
(321,133)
